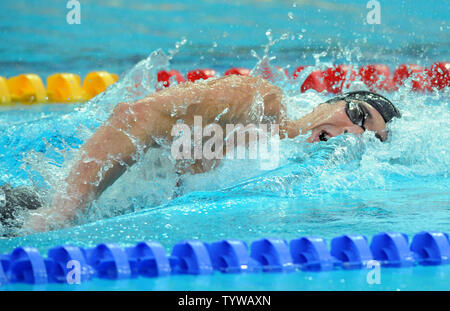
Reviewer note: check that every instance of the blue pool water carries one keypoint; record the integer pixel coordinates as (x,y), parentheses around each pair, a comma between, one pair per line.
(347,185)
(418,278)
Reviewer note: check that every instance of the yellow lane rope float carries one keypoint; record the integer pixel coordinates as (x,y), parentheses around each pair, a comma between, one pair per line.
(64,87)
(27,88)
(96,82)
(61,87)
(67,87)
(5,97)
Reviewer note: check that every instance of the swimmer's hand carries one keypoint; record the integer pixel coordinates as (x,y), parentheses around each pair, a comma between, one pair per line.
(43,221)
(36,222)
(57,216)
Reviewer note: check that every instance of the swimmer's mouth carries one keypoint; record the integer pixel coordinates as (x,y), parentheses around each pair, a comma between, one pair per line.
(324,135)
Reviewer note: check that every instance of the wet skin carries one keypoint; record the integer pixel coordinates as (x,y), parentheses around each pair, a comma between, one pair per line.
(330,120)
(134,127)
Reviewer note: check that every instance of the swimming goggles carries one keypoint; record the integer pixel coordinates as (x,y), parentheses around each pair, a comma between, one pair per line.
(356,112)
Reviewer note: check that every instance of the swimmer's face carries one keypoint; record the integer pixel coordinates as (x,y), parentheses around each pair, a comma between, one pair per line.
(330,120)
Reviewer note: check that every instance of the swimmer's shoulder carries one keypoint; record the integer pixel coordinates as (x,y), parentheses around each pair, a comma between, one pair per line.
(245,89)
(214,95)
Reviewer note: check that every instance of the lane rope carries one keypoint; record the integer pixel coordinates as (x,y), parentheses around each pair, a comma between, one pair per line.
(149,259)
(67,87)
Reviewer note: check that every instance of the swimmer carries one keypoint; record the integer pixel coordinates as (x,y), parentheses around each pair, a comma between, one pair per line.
(138,126)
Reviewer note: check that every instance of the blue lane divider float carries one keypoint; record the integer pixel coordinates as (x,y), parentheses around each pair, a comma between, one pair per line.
(62,259)
(232,256)
(110,261)
(431,248)
(27,265)
(191,257)
(272,255)
(311,254)
(352,251)
(392,250)
(149,259)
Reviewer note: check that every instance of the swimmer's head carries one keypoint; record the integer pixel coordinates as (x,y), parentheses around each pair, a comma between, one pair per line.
(353,112)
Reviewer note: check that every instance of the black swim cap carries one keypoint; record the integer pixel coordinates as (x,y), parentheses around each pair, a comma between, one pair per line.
(14,201)
(383,105)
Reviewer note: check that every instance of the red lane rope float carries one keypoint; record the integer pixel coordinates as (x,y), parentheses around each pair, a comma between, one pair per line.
(335,77)
(406,71)
(67,87)
(298,71)
(439,74)
(424,79)
(332,80)
(237,71)
(198,74)
(269,74)
(313,81)
(376,77)
(166,76)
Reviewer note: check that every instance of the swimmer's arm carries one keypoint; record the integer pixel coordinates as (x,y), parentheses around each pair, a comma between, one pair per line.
(132,126)
(102,159)
(153,118)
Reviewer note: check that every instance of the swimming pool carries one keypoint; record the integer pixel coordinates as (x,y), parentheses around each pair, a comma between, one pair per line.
(345,186)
